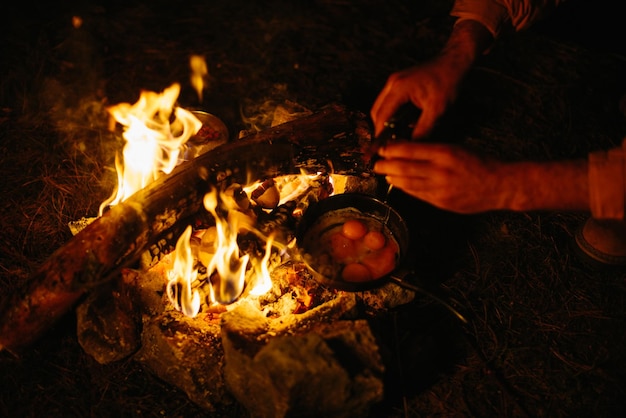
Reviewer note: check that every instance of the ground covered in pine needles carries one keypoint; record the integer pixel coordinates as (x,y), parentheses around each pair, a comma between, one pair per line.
(547,332)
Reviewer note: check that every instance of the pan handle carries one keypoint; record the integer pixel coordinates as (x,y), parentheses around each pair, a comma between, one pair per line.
(409,286)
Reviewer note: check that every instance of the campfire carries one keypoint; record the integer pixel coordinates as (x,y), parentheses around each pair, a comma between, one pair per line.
(191,268)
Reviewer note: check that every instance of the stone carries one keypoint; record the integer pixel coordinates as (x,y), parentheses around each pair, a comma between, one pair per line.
(287,367)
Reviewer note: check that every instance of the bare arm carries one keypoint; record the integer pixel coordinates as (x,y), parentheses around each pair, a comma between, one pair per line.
(556,185)
(454,179)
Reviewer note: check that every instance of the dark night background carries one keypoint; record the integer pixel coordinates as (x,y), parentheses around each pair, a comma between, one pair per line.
(552,328)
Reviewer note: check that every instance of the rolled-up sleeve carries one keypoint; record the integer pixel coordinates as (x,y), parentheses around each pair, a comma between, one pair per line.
(607,183)
(497,15)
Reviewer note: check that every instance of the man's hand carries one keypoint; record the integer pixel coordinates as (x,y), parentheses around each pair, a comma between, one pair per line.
(432,86)
(452,178)
(446,176)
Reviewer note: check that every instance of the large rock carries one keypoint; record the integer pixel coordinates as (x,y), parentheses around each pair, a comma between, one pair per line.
(287,367)
(187,353)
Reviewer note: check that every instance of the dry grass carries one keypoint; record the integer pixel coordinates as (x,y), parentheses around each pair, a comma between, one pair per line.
(546,332)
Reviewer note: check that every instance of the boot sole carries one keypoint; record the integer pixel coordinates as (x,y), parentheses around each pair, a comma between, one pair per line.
(595,258)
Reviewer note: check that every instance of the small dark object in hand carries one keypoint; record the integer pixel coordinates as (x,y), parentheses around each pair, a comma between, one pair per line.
(399,126)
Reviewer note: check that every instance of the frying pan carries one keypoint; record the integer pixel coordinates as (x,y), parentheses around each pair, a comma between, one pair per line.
(325,218)
(327,214)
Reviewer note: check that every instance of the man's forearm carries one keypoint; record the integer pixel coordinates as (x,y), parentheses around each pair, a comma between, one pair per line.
(468,41)
(596,184)
(561,185)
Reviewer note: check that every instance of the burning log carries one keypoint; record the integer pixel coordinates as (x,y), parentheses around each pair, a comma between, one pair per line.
(331,140)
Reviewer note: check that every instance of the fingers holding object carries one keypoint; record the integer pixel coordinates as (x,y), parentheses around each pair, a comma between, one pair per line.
(417,151)
(402,168)
(384,108)
(415,186)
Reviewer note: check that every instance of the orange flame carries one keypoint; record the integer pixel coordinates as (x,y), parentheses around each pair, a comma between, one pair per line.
(153,142)
(182,276)
(230,267)
(199,74)
(263,279)
(229,271)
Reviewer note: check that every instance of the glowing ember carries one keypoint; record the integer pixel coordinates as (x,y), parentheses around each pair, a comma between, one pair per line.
(154,140)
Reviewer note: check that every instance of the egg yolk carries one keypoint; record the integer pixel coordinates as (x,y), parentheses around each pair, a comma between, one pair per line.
(381,262)
(374,240)
(342,248)
(354,229)
(356,272)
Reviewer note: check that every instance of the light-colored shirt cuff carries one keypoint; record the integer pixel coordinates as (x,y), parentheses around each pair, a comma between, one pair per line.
(607,183)
(489,13)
